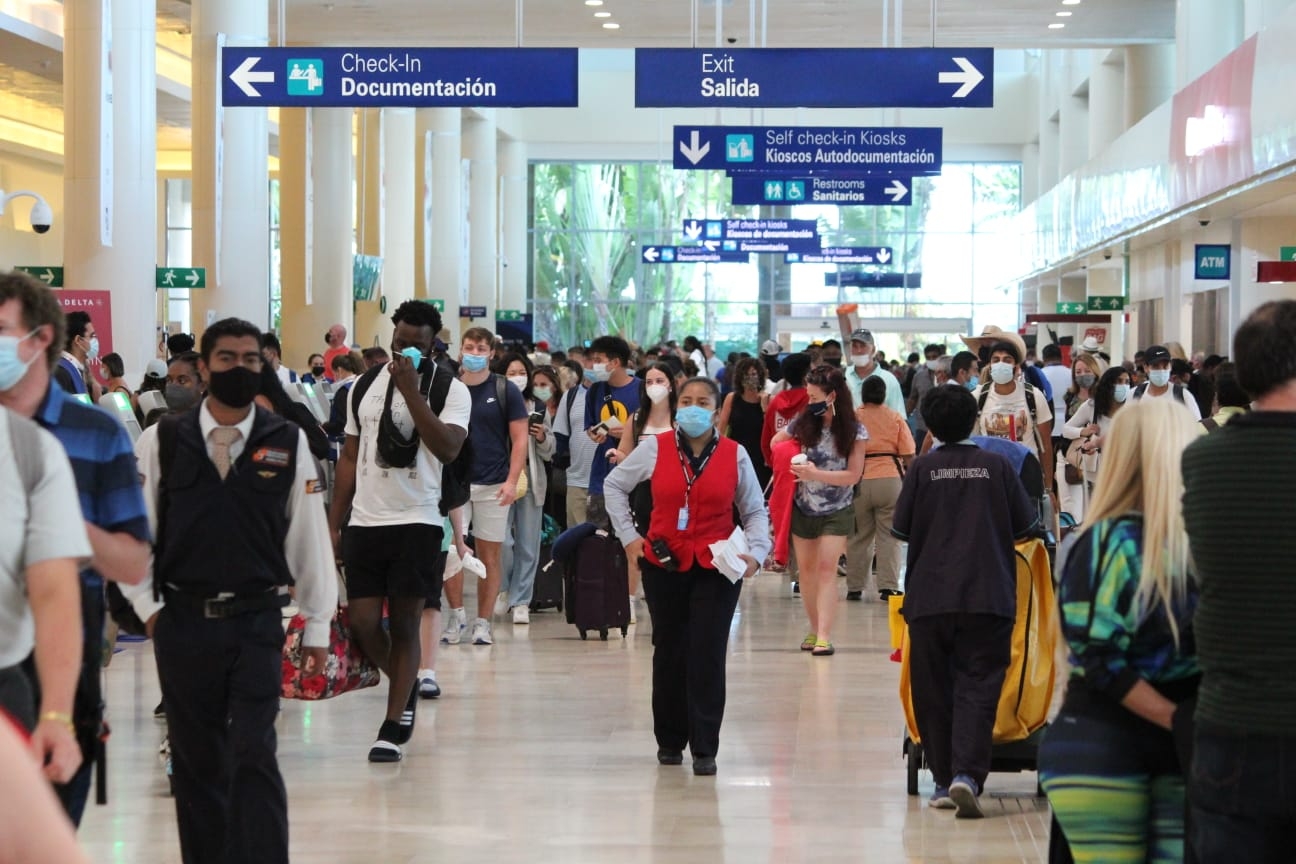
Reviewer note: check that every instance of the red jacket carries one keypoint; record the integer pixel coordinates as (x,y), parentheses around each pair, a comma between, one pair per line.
(710,505)
(783,409)
(780,502)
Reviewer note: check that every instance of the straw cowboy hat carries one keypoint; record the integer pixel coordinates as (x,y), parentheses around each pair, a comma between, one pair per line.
(992,334)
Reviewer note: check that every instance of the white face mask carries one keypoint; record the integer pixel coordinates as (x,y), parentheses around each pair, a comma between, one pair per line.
(1002,373)
(518,381)
(657,392)
(861,360)
(1121,392)
(601,372)
(1159,377)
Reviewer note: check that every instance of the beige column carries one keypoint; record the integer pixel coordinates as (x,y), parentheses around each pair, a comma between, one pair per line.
(483,220)
(513,224)
(370,212)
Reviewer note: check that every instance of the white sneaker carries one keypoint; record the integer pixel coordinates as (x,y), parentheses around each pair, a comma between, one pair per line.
(427,684)
(501,604)
(633,619)
(456,624)
(481,632)
(521,614)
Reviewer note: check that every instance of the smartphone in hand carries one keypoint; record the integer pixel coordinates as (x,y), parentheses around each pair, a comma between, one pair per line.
(536,419)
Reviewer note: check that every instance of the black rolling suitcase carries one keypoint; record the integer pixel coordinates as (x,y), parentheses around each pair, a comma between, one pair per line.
(548,593)
(597,585)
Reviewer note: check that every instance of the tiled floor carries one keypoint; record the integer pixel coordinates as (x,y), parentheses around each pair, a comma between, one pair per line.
(541,750)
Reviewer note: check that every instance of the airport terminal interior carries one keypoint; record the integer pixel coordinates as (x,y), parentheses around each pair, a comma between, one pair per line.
(1118,172)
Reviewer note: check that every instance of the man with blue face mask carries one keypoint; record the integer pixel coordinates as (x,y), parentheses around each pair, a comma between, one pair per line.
(80,349)
(1158,385)
(112,503)
(576,450)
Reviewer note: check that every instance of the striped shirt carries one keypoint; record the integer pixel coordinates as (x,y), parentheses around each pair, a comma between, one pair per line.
(103,463)
(1113,643)
(1237,489)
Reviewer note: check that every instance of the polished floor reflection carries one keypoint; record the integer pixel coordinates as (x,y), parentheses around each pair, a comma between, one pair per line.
(541,750)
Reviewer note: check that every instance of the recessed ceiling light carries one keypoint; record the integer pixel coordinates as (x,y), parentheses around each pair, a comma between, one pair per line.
(593,2)
(611,25)
(1063,14)
(1070,2)
(602,14)
(1058,26)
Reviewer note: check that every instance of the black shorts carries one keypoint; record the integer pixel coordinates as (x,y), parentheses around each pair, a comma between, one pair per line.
(392,560)
(437,580)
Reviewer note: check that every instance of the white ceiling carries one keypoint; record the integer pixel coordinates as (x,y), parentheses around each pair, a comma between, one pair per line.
(791,23)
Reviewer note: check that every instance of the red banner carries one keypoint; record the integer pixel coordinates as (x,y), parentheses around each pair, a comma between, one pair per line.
(98,305)
(1210,132)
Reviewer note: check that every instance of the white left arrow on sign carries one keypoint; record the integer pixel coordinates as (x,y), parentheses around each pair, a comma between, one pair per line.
(244,77)
(969,77)
(650,254)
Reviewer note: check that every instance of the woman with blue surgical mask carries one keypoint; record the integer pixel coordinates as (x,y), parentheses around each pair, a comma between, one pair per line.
(1088,426)
(698,480)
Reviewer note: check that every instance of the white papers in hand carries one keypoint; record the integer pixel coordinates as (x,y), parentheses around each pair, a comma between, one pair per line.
(728,555)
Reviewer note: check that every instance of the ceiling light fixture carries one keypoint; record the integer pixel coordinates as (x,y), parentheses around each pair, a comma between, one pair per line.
(1063,14)
(1070,2)
(602,14)
(593,2)
(1058,26)
(611,25)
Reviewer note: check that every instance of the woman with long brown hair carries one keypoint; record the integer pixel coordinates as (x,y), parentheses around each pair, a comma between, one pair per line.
(823,515)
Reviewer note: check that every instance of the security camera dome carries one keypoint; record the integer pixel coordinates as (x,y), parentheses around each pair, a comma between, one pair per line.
(42,217)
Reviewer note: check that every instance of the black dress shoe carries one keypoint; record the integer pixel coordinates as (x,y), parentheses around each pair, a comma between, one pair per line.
(886,593)
(855,596)
(704,766)
(669,757)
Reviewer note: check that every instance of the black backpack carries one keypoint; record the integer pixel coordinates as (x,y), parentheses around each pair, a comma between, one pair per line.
(1141,390)
(456,476)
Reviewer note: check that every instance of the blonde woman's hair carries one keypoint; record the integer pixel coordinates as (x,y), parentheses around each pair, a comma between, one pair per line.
(1140,473)
(1093,361)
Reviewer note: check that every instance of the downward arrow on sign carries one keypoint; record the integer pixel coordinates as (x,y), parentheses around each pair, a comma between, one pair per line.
(692,229)
(695,150)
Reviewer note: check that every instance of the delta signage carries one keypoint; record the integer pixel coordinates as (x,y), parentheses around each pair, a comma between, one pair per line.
(705,254)
(882,255)
(749,189)
(814,78)
(414,77)
(809,150)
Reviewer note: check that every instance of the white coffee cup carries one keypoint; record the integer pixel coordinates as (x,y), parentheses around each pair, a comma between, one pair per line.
(800,459)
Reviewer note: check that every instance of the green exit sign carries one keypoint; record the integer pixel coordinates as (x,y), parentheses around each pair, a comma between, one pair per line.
(1287,253)
(1071,309)
(438,305)
(508,315)
(1106,304)
(181,277)
(51,276)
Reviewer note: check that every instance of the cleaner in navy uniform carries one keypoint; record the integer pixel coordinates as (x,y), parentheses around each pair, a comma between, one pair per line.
(234,497)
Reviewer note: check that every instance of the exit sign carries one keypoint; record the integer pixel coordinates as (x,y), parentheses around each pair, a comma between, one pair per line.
(1071,309)
(1287,253)
(508,315)
(1212,261)
(181,277)
(51,276)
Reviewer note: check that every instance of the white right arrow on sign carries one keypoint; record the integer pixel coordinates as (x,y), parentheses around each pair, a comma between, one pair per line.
(897,190)
(969,77)
(243,77)
(695,150)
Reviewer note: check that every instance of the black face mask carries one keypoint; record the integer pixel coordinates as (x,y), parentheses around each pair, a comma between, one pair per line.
(317,371)
(179,397)
(235,387)
(817,409)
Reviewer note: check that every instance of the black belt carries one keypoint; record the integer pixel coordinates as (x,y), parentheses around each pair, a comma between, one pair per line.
(224,605)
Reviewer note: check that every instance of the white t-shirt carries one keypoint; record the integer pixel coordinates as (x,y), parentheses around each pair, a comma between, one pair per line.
(53,528)
(398,496)
(1059,378)
(1188,401)
(1009,416)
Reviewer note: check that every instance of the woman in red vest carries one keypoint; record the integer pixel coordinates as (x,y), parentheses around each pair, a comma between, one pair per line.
(699,481)
(823,515)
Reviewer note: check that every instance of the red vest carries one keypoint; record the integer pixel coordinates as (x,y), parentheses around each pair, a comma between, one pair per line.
(710,504)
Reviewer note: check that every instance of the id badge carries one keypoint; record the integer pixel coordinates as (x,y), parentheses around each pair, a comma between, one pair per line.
(681,524)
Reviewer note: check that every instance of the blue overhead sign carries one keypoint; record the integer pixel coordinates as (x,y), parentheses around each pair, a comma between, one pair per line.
(854,150)
(814,78)
(751,189)
(706,254)
(1213,261)
(756,235)
(844,255)
(307,76)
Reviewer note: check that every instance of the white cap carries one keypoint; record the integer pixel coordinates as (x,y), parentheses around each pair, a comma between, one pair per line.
(156,368)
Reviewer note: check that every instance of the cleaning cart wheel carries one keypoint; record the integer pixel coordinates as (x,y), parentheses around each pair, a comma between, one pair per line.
(603,634)
(583,637)
(913,759)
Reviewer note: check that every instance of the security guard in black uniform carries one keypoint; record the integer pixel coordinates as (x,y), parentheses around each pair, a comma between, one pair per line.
(233,495)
